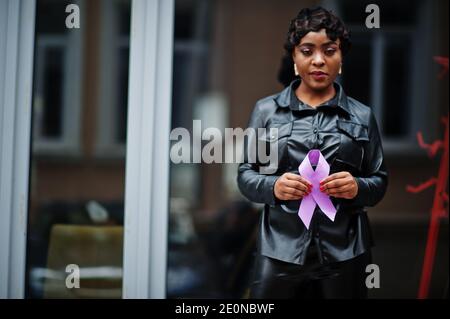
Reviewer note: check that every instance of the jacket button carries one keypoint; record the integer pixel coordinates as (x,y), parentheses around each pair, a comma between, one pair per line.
(315,131)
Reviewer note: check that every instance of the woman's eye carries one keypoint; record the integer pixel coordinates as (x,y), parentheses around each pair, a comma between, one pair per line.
(330,51)
(306,52)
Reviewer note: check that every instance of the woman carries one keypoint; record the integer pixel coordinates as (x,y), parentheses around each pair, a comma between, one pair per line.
(325,257)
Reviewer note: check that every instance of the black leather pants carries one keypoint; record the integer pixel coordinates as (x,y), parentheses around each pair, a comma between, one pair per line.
(281,280)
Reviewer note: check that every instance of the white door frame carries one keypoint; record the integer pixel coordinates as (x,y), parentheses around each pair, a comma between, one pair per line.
(16,78)
(147,160)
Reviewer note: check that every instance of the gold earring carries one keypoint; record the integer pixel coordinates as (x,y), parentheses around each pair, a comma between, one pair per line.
(340,69)
(295,69)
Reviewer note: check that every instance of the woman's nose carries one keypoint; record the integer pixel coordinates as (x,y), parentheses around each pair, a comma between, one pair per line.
(318,60)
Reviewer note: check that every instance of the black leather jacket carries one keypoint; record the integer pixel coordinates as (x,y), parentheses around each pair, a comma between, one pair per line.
(346,133)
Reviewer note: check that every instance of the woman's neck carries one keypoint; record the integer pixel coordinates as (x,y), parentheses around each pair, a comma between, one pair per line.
(314,98)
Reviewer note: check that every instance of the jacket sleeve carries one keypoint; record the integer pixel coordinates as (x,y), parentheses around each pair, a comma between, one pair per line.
(372,185)
(253,185)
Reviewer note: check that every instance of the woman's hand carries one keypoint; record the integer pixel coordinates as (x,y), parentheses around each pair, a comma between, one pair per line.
(340,185)
(291,187)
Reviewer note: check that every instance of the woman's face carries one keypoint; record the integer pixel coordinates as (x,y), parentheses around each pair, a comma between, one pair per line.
(318,60)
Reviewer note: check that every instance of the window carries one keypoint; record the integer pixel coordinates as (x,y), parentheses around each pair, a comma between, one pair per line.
(387,64)
(76,206)
(57,79)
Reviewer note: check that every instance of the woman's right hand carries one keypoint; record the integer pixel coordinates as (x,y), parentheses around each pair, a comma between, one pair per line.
(291,187)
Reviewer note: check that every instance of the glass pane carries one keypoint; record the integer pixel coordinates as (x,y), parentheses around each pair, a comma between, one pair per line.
(217,78)
(52,94)
(76,210)
(358,68)
(211,227)
(397,81)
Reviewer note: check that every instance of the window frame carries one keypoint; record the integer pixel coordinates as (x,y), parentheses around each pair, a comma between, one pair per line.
(147,162)
(147,166)
(17,19)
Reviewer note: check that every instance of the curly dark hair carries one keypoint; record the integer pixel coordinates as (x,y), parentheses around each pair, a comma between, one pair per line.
(315,19)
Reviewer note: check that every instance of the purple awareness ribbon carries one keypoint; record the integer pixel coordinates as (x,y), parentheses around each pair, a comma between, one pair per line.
(316,197)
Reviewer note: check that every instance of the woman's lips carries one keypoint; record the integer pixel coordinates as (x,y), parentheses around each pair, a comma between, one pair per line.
(318,75)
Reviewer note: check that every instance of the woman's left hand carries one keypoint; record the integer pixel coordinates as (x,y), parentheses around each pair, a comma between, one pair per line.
(340,185)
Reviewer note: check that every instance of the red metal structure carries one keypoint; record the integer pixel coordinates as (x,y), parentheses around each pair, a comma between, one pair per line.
(439,209)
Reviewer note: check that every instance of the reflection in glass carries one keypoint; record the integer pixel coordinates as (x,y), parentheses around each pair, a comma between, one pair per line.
(76,209)
(397,83)
(211,227)
(226,57)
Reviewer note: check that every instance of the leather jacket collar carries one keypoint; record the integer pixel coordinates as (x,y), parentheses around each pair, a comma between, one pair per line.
(283,99)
